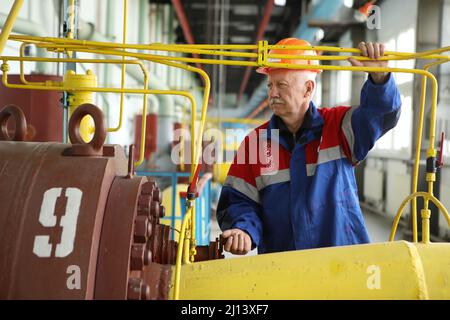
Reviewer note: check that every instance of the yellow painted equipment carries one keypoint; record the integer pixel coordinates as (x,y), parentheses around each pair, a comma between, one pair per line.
(221,171)
(77,98)
(391,270)
(167,203)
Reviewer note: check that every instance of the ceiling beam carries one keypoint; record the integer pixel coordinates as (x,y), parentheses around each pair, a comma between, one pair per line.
(181,14)
(262,27)
(258,110)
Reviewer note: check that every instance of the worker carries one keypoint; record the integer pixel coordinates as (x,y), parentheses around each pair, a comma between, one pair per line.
(304,195)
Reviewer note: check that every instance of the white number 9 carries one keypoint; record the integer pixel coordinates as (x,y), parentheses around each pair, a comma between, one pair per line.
(42,248)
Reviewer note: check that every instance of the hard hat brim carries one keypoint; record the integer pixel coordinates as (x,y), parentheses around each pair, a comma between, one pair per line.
(266,70)
(263,70)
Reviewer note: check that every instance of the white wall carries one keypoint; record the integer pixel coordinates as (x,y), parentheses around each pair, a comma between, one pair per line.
(397,32)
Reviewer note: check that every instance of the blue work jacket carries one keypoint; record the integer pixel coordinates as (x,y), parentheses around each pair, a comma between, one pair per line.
(298,191)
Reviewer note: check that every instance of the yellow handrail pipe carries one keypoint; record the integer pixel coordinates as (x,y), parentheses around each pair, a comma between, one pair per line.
(122,82)
(216,49)
(255,122)
(7,27)
(418,148)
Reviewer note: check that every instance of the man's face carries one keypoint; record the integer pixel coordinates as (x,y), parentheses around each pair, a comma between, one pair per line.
(286,91)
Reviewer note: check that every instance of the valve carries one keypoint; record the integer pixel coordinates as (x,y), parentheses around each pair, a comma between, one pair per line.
(440,162)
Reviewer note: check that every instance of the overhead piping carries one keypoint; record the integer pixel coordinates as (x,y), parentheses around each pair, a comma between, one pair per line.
(322,10)
(181,14)
(31,28)
(260,33)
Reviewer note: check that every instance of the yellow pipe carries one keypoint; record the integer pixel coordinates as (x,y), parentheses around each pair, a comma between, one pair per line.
(53,47)
(425,212)
(7,27)
(78,60)
(425,196)
(122,83)
(213,48)
(157,47)
(22,59)
(187,242)
(408,55)
(427,53)
(176,47)
(231,62)
(254,63)
(22,75)
(425,215)
(389,270)
(431,152)
(71,26)
(418,148)
(359,58)
(143,125)
(151,47)
(236,120)
(75,99)
(182,152)
(197,150)
(193,241)
(177,271)
(173,58)
(143,128)
(144,116)
(58,86)
(417,157)
(169,48)
(247,63)
(71,19)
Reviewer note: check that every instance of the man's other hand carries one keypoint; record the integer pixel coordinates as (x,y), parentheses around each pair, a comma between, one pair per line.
(237,241)
(373,50)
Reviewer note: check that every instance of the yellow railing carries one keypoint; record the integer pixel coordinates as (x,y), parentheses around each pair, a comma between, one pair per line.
(7,27)
(122,81)
(254,122)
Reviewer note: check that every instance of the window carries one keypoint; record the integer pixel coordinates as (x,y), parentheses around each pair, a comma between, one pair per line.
(398,141)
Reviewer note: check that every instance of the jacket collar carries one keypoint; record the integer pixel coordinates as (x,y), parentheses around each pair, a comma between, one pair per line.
(310,130)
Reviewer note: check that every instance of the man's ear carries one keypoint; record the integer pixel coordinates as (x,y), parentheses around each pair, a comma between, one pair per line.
(309,88)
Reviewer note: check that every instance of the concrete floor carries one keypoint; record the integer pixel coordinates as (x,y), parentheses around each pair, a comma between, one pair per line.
(378,227)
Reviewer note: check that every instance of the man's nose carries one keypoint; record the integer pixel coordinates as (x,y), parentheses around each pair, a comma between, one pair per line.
(273,92)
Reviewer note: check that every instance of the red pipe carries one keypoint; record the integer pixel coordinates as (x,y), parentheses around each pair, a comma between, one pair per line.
(181,14)
(260,108)
(259,35)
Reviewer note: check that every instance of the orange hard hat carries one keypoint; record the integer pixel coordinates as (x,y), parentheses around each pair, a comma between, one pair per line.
(291,42)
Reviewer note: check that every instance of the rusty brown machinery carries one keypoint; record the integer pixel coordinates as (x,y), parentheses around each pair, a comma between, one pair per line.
(76,223)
